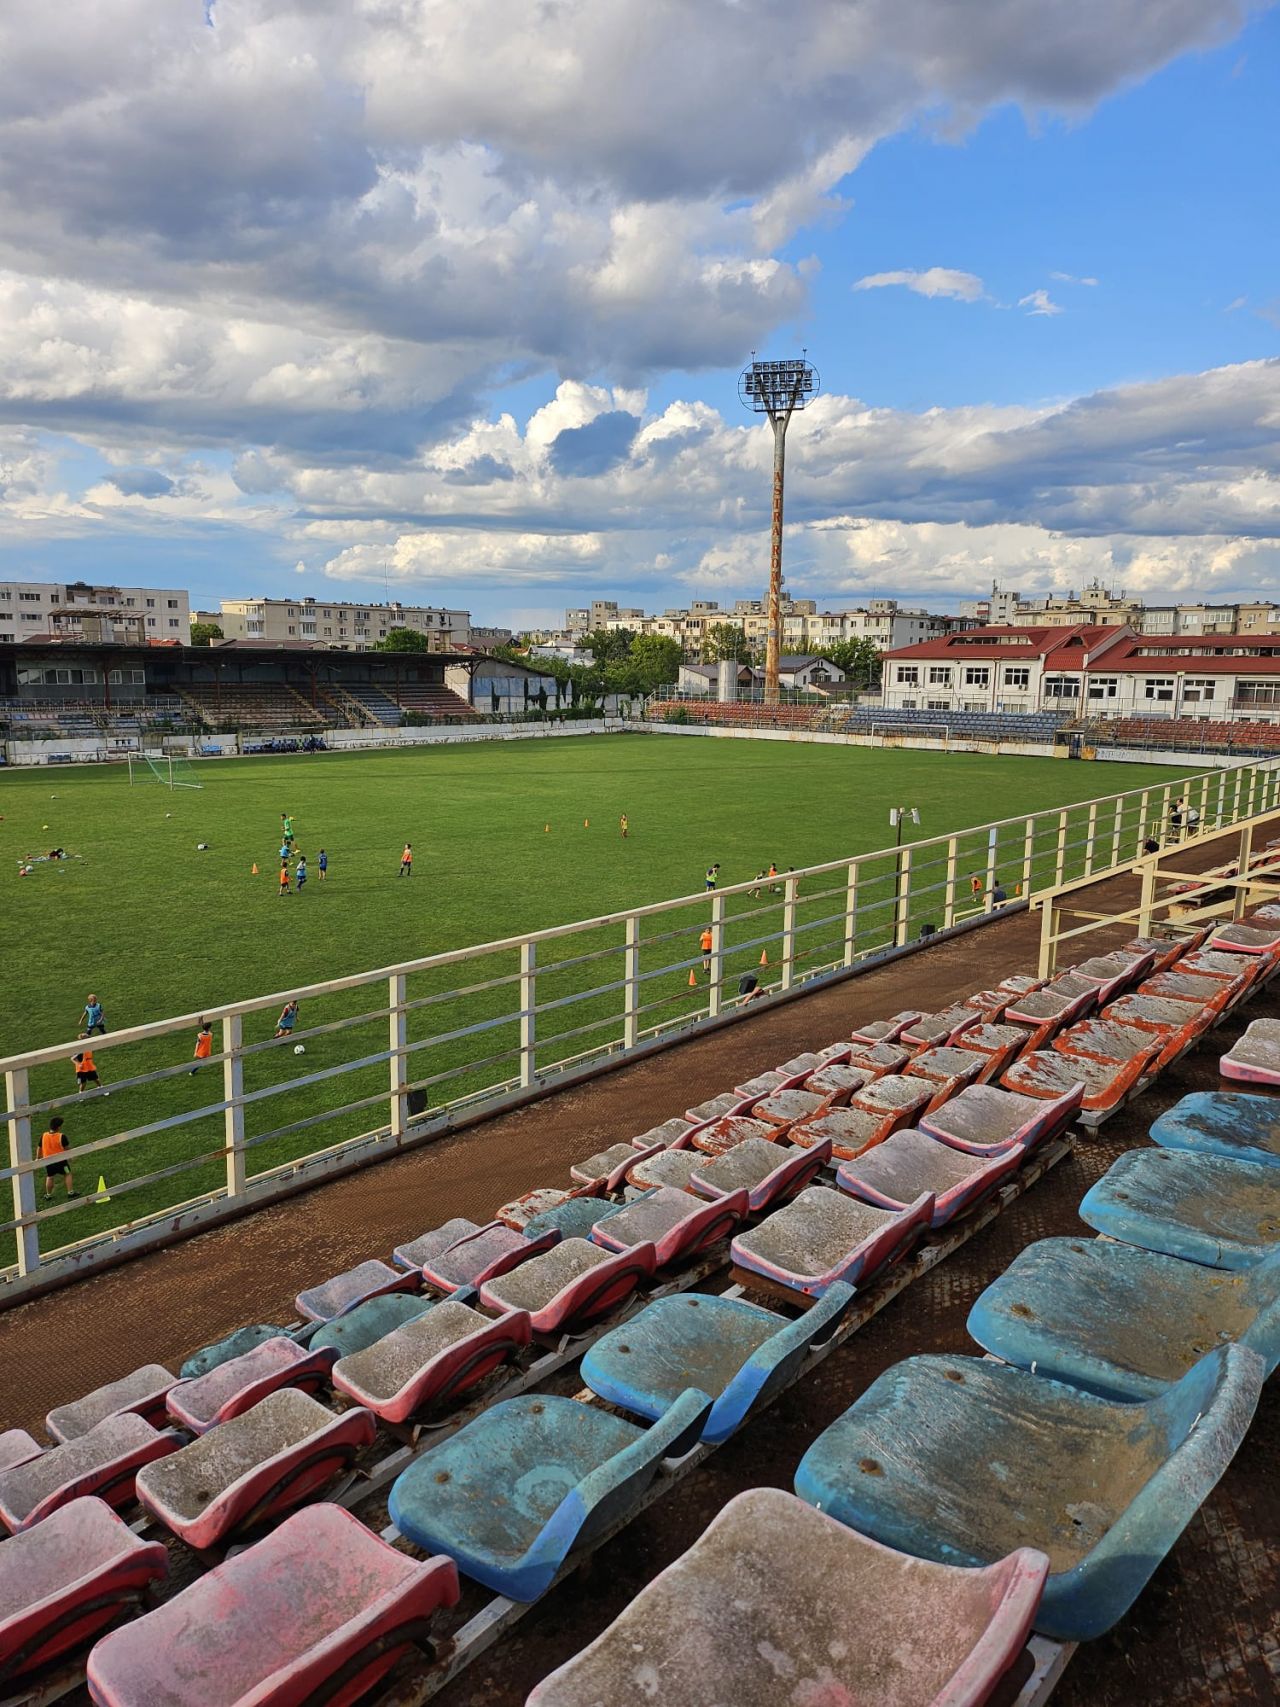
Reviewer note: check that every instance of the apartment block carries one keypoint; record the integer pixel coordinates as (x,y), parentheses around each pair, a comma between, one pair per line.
(80,610)
(341,626)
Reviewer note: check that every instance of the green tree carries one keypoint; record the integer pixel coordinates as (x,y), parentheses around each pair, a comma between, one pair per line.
(725,640)
(403,640)
(655,659)
(859,659)
(205,633)
(608,645)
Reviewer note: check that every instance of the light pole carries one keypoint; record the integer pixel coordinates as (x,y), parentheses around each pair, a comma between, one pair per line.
(777,389)
(897,817)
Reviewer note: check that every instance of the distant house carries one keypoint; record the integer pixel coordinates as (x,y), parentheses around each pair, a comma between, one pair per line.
(804,673)
(807,672)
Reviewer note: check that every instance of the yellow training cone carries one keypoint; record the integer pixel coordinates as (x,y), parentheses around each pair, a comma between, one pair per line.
(102,1195)
(586,823)
(254,872)
(546,829)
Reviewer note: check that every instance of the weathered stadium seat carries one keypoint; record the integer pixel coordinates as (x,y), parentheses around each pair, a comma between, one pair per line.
(1165,951)
(885,1030)
(785,1108)
(761,1084)
(1179,1023)
(431,1361)
(368,1322)
(911,1162)
(319,1610)
(607,1169)
(822,1237)
(765,1634)
(667,1168)
(222,1351)
(670,1132)
(984,1119)
(1111,973)
(737,1353)
(849,1131)
(274,1457)
(674,1222)
(1254,1059)
(1203,1208)
(104,1462)
(876,1058)
(142,1392)
(1260,937)
(728,1102)
(932,1030)
(714,1139)
(1120,1321)
(895,1098)
(16,1446)
(239,1383)
(998,1045)
(65,1580)
(430,1244)
(1046,1011)
(1101,1039)
(519,1211)
(570,1286)
(768,1172)
(1052,1075)
(835,1083)
(949,1068)
(1222,1123)
(333,1298)
(963,1460)
(516,1488)
(574,1218)
(479,1256)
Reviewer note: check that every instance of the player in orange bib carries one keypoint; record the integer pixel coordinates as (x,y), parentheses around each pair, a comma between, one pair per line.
(53,1145)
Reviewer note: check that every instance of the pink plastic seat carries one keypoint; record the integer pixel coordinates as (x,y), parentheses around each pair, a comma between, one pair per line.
(873,1059)
(1046,1011)
(674,1222)
(910,1162)
(65,1580)
(944,1064)
(317,1600)
(822,1236)
(895,1098)
(1254,1059)
(16,1446)
(934,1029)
(427,1245)
(664,1167)
(836,1084)
(1261,937)
(1112,973)
(253,1468)
(333,1298)
(721,1135)
(769,1173)
(143,1392)
(240,1382)
(104,1462)
(885,1030)
(985,1120)
(785,1108)
(607,1169)
(663,1137)
(431,1361)
(728,1102)
(849,1131)
(571,1286)
(761,1084)
(478,1256)
(990,1004)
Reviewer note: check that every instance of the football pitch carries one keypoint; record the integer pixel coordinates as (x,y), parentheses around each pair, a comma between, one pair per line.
(507,837)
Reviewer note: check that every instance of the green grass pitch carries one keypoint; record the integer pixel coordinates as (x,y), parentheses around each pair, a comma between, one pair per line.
(156,928)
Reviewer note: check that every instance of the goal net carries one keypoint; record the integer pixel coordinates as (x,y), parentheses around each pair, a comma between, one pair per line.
(162,768)
(888,730)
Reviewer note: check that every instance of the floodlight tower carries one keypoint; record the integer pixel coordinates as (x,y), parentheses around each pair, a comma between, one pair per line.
(777,389)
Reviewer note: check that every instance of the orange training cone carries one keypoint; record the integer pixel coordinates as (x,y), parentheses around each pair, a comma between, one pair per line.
(693,979)
(254,872)
(764,957)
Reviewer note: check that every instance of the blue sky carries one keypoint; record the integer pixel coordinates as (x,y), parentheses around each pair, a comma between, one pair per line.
(261,330)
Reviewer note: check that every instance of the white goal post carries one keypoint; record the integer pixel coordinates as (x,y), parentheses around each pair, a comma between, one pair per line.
(886,727)
(161,768)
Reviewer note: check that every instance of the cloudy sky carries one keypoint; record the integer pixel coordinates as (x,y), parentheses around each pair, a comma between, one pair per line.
(449,297)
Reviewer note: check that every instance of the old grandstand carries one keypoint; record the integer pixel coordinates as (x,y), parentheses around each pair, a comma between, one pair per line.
(626,1321)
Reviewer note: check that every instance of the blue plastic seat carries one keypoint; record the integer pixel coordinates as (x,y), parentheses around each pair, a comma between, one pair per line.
(962,1461)
(1202,1208)
(1223,1123)
(513,1491)
(1122,1322)
(735,1351)
(370,1321)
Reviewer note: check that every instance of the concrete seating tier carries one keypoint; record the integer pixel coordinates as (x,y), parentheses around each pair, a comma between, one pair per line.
(428,699)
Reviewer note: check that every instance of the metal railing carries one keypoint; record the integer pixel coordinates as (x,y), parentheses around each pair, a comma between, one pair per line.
(405,1052)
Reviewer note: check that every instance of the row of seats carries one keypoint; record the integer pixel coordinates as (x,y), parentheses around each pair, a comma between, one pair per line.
(432,700)
(559,1262)
(980,725)
(246,705)
(749,714)
(1233,735)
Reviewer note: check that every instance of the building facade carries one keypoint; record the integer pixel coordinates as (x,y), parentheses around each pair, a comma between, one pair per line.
(99,614)
(337,624)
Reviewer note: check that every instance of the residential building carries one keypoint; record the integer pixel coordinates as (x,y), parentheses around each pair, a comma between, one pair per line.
(337,624)
(602,613)
(804,673)
(78,610)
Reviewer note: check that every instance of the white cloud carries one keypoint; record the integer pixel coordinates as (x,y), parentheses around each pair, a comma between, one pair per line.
(1072,279)
(1039,302)
(933,281)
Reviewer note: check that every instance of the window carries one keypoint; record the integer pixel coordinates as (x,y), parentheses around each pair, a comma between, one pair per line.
(1016,677)
(939,675)
(151,622)
(977,676)
(1061,687)
(908,705)
(1158,688)
(30,598)
(151,604)
(1103,687)
(1198,689)
(908,675)
(1258,693)
(172,603)
(292,629)
(173,622)
(31,616)
(937,705)
(137,677)
(130,603)
(328,631)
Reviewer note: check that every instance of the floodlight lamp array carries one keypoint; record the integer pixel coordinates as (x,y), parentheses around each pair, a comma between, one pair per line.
(777,387)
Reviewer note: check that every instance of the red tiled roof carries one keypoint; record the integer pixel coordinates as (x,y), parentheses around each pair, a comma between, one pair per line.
(1108,651)
(1196,654)
(1061,648)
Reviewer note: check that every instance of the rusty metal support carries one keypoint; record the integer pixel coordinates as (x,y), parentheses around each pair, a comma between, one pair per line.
(773,631)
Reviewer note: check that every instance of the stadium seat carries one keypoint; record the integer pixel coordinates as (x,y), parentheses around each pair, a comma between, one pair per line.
(997,1043)
(335,1297)
(431,1361)
(885,1030)
(479,1256)
(1261,938)
(739,1353)
(518,1213)
(1222,1123)
(876,1058)
(236,1385)
(666,1168)
(1045,1011)
(1050,1074)
(1165,951)
(910,1163)
(728,1102)
(576,1216)
(930,1030)
(716,1138)
(1169,1019)
(1102,1039)
(319,1610)
(822,1237)
(427,1245)
(983,1119)
(946,1067)
(369,1321)
(64,1581)
(849,1131)
(785,1108)
(257,1466)
(1120,1321)
(960,1460)
(769,1635)
(1241,970)
(835,1083)
(661,1137)
(570,1286)
(516,1488)
(895,1098)
(769,1173)
(607,1169)
(676,1224)
(142,1392)
(1203,1208)
(1254,1059)
(761,1084)
(16,1446)
(104,1462)
(222,1351)
(1112,973)
(1175,985)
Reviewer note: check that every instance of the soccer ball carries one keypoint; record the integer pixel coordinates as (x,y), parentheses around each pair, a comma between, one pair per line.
(299,1048)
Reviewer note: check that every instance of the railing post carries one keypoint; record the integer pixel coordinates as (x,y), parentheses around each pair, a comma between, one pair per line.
(716,993)
(1204,803)
(851,915)
(528,1018)
(788,933)
(1028,855)
(398,1037)
(1048,947)
(631,981)
(1117,831)
(993,844)
(18,1095)
(949,892)
(1235,796)
(1144,827)
(1244,861)
(1166,796)
(1253,788)
(1090,833)
(233,1099)
(1060,859)
(902,899)
(1222,796)
(1148,896)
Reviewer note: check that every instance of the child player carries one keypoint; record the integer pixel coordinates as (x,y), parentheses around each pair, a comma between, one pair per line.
(86,1072)
(53,1144)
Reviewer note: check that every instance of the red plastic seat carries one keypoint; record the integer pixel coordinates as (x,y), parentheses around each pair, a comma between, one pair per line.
(430,1361)
(104,1462)
(240,1382)
(319,1599)
(674,1222)
(769,1173)
(571,1286)
(143,1392)
(479,1256)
